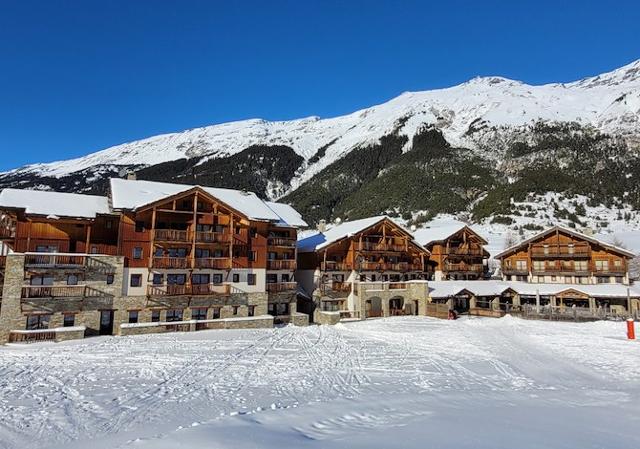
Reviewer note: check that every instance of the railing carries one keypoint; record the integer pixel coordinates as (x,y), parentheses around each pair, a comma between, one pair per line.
(170,262)
(335,266)
(560,268)
(275,287)
(218,263)
(213,237)
(377,286)
(473,268)
(398,266)
(58,291)
(281,241)
(516,271)
(171,235)
(7,232)
(561,251)
(386,247)
(466,251)
(32,336)
(54,260)
(189,289)
(281,264)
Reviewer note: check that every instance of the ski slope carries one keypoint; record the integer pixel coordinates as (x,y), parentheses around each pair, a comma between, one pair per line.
(404,382)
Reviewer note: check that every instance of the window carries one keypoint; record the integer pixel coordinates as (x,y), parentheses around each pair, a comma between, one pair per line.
(272,255)
(46,249)
(72,279)
(236,277)
(521,265)
(617,263)
(251,310)
(581,265)
(139,226)
(538,265)
(108,224)
(285,277)
(177,252)
(602,280)
(253,232)
(252,256)
(235,310)
(602,265)
(272,278)
(159,252)
(174,315)
(199,314)
(41,280)
(136,280)
(110,279)
(35,322)
(619,279)
(137,252)
(133,316)
(373,278)
(69,320)
(155,316)
(199,279)
(157,278)
(216,313)
(363,278)
(202,252)
(176,279)
(282,308)
(220,229)
(217,253)
(251,279)
(217,278)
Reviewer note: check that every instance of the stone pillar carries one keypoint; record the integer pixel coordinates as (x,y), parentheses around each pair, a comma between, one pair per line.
(516,301)
(11,317)
(495,303)
(472,302)
(592,304)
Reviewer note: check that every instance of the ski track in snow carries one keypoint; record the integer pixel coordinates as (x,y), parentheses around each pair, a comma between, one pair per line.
(388,373)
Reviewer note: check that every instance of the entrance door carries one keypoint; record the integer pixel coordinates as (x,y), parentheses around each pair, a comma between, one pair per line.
(106,322)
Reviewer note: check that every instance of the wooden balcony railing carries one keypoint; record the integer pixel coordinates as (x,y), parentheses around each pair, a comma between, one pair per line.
(381,247)
(216,263)
(213,237)
(516,271)
(282,241)
(335,266)
(7,232)
(560,251)
(558,268)
(60,291)
(397,266)
(190,289)
(281,264)
(275,287)
(171,235)
(171,262)
(463,267)
(466,251)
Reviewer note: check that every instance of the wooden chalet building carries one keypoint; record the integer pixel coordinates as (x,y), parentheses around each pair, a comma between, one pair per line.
(362,268)
(561,255)
(457,252)
(150,257)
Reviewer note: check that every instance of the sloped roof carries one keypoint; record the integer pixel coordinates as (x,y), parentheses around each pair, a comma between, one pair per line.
(425,236)
(288,215)
(54,204)
(571,232)
(134,194)
(346,229)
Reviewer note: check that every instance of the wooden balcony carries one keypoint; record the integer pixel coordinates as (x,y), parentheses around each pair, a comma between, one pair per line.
(282,242)
(381,247)
(190,289)
(397,266)
(457,251)
(282,264)
(515,271)
(7,233)
(277,287)
(335,266)
(213,237)
(60,291)
(170,262)
(561,251)
(54,260)
(558,269)
(171,235)
(464,268)
(214,263)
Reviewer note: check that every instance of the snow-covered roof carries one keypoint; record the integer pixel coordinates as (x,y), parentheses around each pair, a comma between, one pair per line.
(445,289)
(425,236)
(134,194)
(319,240)
(571,232)
(54,204)
(288,215)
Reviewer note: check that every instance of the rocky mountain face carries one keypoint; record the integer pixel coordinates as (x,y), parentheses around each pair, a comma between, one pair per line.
(491,150)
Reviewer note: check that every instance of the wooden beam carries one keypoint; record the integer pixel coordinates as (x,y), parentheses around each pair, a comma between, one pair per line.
(88,240)
(193,230)
(233,231)
(29,235)
(152,249)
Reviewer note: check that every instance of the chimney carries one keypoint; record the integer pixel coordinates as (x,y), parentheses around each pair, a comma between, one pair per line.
(322,226)
(131,176)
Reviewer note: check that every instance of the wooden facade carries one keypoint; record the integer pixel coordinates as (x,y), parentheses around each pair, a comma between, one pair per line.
(560,255)
(459,256)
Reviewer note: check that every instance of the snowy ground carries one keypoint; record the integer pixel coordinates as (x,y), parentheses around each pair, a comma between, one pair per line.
(408,382)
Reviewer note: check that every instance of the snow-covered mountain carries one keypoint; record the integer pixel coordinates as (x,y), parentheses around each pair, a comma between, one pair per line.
(609,102)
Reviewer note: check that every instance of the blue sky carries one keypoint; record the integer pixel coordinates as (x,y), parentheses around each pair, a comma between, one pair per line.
(76,77)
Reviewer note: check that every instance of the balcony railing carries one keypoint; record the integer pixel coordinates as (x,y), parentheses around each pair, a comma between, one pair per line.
(463,267)
(54,260)
(397,266)
(281,241)
(216,263)
(281,264)
(516,271)
(560,269)
(60,291)
(466,251)
(213,237)
(560,251)
(382,247)
(7,232)
(170,262)
(171,235)
(275,287)
(335,266)
(190,289)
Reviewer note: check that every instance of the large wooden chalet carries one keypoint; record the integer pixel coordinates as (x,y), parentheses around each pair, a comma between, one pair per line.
(561,255)
(149,254)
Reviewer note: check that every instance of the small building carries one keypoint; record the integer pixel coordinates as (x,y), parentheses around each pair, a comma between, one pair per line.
(457,252)
(364,268)
(561,255)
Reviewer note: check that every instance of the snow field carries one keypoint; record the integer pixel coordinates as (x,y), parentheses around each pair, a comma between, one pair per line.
(396,382)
